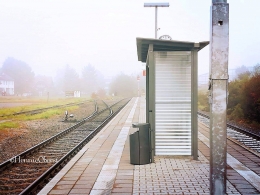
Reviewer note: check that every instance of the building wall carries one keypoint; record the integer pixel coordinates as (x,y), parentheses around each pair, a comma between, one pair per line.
(7,87)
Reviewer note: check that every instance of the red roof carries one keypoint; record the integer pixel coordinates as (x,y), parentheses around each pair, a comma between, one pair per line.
(4,77)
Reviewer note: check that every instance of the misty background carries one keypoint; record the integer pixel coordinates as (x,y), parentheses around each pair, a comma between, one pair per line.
(56,46)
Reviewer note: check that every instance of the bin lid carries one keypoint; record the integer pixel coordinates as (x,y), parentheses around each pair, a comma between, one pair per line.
(136,125)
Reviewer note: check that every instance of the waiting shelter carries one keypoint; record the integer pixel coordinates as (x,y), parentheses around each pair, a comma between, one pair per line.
(171,94)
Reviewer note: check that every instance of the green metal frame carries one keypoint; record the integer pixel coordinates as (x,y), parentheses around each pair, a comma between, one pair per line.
(151,99)
(194,104)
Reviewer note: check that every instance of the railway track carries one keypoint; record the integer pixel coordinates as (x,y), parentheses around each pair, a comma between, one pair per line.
(247,137)
(28,172)
(242,160)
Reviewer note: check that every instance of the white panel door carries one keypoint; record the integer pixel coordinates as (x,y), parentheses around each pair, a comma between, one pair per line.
(173,103)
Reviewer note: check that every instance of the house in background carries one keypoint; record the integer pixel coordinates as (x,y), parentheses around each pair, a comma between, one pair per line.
(42,85)
(6,85)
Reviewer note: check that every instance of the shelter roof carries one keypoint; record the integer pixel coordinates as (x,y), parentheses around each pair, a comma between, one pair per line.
(165,45)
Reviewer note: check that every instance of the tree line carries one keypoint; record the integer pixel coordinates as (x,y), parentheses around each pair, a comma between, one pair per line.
(90,81)
(243,96)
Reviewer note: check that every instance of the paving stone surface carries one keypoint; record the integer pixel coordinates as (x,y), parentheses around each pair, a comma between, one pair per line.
(103,167)
(171,175)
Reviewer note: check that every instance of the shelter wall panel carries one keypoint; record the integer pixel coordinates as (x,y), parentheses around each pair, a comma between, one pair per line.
(173,103)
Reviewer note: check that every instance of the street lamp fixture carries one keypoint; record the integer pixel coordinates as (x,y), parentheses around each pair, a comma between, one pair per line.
(156,5)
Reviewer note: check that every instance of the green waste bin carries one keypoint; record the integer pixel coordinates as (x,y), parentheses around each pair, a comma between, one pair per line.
(140,144)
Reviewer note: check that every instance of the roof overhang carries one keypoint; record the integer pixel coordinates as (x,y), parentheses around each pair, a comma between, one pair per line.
(165,45)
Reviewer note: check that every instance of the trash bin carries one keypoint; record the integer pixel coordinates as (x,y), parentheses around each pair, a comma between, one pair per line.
(140,144)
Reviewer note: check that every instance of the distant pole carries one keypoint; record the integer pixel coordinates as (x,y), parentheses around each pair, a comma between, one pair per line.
(156,5)
(138,86)
(219,49)
(156,9)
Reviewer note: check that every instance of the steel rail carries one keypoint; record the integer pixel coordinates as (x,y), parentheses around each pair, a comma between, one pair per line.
(236,128)
(35,148)
(79,142)
(58,165)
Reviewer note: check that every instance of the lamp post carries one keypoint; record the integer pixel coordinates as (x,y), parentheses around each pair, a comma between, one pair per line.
(156,5)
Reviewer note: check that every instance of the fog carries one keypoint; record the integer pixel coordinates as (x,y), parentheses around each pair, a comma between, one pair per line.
(48,35)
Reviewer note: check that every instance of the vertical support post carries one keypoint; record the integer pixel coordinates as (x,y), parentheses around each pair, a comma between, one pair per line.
(219,46)
(156,9)
(194,101)
(151,105)
(147,92)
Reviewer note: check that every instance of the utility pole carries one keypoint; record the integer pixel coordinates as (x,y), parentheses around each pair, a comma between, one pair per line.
(219,47)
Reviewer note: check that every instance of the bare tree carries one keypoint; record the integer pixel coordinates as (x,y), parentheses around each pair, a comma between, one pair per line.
(124,85)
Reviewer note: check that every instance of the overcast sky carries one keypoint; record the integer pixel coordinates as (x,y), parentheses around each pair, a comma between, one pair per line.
(48,34)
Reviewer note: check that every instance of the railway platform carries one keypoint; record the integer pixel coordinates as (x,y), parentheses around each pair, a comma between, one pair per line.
(103,165)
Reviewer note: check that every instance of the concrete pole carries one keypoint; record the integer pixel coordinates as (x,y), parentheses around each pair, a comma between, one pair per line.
(219,46)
